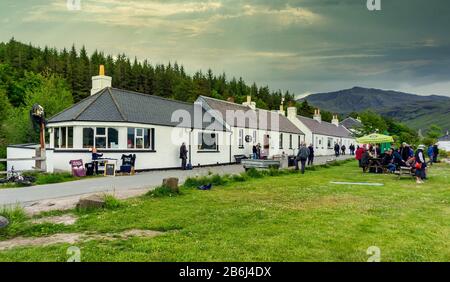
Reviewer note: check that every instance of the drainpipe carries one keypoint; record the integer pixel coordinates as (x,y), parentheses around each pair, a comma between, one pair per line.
(190,147)
(231,134)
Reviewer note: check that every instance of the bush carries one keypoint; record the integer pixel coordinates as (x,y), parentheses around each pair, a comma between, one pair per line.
(216,180)
(112,202)
(443,153)
(49,178)
(16,217)
(254,173)
(162,191)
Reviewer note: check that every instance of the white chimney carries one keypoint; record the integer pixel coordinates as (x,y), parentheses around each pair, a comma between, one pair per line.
(317,116)
(335,120)
(281,111)
(249,103)
(100,81)
(292,112)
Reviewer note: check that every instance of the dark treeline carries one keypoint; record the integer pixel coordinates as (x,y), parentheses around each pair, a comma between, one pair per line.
(170,80)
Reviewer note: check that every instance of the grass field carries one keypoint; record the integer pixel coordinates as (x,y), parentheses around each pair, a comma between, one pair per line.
(275,218)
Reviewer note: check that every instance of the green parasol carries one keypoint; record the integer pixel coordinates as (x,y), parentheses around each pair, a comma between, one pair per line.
(375,138)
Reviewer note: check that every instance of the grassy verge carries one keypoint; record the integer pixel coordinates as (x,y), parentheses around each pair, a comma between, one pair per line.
(285,217)
(47,178)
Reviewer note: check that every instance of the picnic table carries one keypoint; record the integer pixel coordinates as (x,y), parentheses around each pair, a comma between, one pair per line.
(376,164)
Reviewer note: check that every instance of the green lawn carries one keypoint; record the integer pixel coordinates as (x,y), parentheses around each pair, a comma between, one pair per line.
(280,218)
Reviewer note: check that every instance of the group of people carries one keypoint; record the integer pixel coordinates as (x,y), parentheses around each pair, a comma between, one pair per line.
(394,158)
(256,151)
(338,150)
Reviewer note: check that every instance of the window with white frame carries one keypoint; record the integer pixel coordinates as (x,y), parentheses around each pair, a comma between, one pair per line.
(207,141)
(241,138)
(99,137)
(330,143)
(63,137)
(290,141)
(299,141)
(140,138)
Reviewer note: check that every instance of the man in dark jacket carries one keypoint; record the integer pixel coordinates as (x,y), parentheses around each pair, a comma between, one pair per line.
(183,155)
(311,154)
(302,156)
(336,149)
(435,153)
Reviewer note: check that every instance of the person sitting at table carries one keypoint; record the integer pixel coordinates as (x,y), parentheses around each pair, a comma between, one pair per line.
(95,156)
(388,161)
(397,158)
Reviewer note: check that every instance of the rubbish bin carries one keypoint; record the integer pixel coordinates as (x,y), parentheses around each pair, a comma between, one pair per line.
(89,169)
(291,161)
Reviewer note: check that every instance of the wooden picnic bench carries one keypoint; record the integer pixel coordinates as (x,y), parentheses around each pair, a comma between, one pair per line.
(405,171)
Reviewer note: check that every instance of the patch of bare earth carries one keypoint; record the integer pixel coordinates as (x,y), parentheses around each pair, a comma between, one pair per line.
(66,219)
(70,202)
(72,238)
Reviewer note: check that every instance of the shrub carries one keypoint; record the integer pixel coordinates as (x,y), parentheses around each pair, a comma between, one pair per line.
(217,180)
(49,178)
(443,153)
(162,191)
(16,217)
(112,202)
(254,173)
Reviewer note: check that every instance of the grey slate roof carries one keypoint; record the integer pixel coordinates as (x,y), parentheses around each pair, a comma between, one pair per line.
(351,123)
(116,105)
(325,128)
(254,121)
(445,138)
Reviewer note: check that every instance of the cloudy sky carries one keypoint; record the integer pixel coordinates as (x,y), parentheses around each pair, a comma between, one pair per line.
(305,46)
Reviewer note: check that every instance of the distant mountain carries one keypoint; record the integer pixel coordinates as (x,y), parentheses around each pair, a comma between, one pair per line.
(416,111)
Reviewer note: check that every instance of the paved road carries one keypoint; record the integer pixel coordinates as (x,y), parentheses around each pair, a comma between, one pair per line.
(28,195)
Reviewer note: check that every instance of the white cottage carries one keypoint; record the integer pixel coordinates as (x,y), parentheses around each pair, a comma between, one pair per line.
(118,122)
(444,142)
(250,126)
(323,135)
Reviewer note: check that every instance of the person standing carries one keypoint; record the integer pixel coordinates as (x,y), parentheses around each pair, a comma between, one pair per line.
(336,149)
(95,157)
(258,151)
(255,152)
(302,156)
(359,153)
(343,148)
(311,155)
(420,164)
(183,155)
(435,153)
(430,153)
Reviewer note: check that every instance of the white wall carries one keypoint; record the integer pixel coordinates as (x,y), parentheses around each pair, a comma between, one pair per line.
(23,152)
(166,148)
(444,145)
(322,148)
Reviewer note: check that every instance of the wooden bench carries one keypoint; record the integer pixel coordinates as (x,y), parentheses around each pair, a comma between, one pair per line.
(405,171)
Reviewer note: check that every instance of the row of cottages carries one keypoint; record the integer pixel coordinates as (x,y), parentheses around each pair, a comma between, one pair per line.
(321,134)
(118,122)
